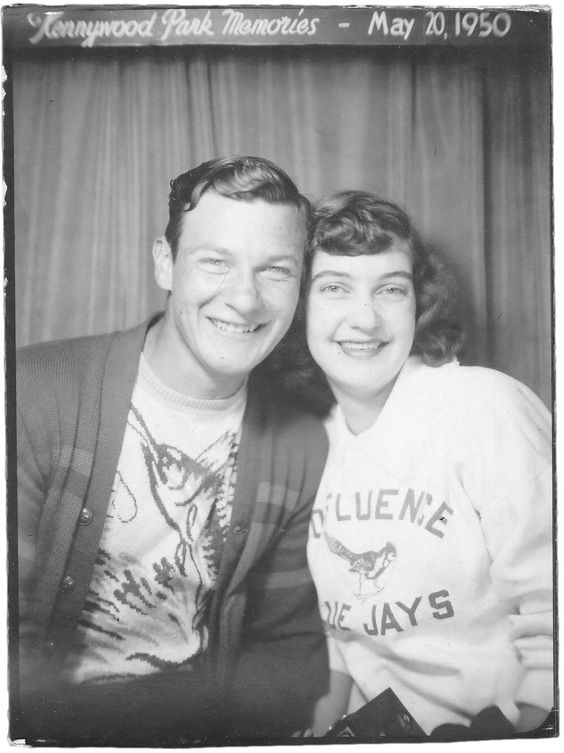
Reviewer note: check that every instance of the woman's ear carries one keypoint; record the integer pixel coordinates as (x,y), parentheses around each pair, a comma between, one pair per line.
(163,263)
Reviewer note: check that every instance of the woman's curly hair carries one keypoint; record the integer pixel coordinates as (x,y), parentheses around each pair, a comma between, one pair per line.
(354,223)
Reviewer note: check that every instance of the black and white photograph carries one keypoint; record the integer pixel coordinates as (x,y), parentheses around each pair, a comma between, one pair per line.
(280,374)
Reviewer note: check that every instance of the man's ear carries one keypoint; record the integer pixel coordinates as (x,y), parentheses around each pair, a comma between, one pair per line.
(164,263)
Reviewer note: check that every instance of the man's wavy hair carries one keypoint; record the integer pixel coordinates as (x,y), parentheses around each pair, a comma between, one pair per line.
(239,178)
(354,223)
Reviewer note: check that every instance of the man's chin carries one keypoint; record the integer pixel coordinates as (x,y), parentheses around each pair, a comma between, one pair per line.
(230,370)
(237,364)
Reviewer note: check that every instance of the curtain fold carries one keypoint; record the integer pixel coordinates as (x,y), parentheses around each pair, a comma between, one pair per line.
(519,219)
(448,178)
(461,140)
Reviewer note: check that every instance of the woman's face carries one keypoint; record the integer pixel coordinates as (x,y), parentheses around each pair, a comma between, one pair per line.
(361,320)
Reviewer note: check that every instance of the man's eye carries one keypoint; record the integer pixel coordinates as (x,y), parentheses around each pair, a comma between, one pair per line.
(216,265)
(278,273)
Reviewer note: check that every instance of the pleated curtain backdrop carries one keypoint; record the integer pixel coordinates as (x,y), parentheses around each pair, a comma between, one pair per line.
(461,139)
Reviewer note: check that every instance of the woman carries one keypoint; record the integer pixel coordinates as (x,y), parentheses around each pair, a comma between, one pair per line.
(430,539)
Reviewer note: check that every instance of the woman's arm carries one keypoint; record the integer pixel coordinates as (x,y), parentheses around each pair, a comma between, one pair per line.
(505,455)
(332,706)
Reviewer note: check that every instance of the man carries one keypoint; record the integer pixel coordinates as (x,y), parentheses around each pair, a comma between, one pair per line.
(164,491)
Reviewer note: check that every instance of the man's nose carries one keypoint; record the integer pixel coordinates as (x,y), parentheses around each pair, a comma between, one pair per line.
(242,292)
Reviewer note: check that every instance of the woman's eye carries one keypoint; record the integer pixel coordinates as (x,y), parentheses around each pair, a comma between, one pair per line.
(394,291)
(332,289)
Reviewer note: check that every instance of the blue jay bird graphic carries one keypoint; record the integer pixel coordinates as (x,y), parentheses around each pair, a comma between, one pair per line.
(369,566)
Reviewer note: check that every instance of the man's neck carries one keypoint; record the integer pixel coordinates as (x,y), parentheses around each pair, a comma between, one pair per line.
(168,360)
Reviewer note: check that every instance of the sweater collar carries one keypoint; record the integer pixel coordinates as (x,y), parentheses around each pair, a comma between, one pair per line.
(407,420)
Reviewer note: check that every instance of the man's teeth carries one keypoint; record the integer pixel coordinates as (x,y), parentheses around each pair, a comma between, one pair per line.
(239,329)
(361,347)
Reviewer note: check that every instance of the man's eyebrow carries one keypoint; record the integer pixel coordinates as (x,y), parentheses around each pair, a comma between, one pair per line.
(207,248)
(221,251)
(283,257)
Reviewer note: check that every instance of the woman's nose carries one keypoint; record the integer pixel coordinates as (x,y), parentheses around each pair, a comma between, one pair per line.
(363,315)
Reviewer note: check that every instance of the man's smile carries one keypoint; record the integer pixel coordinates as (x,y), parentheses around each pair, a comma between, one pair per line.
(233,327)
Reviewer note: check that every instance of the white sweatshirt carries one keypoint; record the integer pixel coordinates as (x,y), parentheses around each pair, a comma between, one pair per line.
(431,546)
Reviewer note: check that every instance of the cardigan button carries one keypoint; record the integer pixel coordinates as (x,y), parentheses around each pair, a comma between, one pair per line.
(67,584)
(85,517)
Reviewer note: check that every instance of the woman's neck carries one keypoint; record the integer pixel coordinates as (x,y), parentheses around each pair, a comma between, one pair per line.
(361,411)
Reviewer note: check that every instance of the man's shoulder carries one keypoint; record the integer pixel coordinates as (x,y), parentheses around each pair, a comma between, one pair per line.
(288,444)
(294,429)
(55,350)
(68,367)
(47,360)
(72,355)
(298,423)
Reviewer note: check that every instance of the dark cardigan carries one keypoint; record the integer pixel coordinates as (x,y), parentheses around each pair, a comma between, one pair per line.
(266,653)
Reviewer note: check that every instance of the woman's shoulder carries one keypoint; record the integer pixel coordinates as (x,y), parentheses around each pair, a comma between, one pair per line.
(494,389)
(484,402)
(475,383)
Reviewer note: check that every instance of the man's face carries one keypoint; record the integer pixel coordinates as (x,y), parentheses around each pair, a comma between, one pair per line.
(234,288)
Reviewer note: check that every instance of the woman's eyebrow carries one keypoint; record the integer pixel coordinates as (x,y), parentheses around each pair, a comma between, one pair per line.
(345,275)
(399,273)
(330,273)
